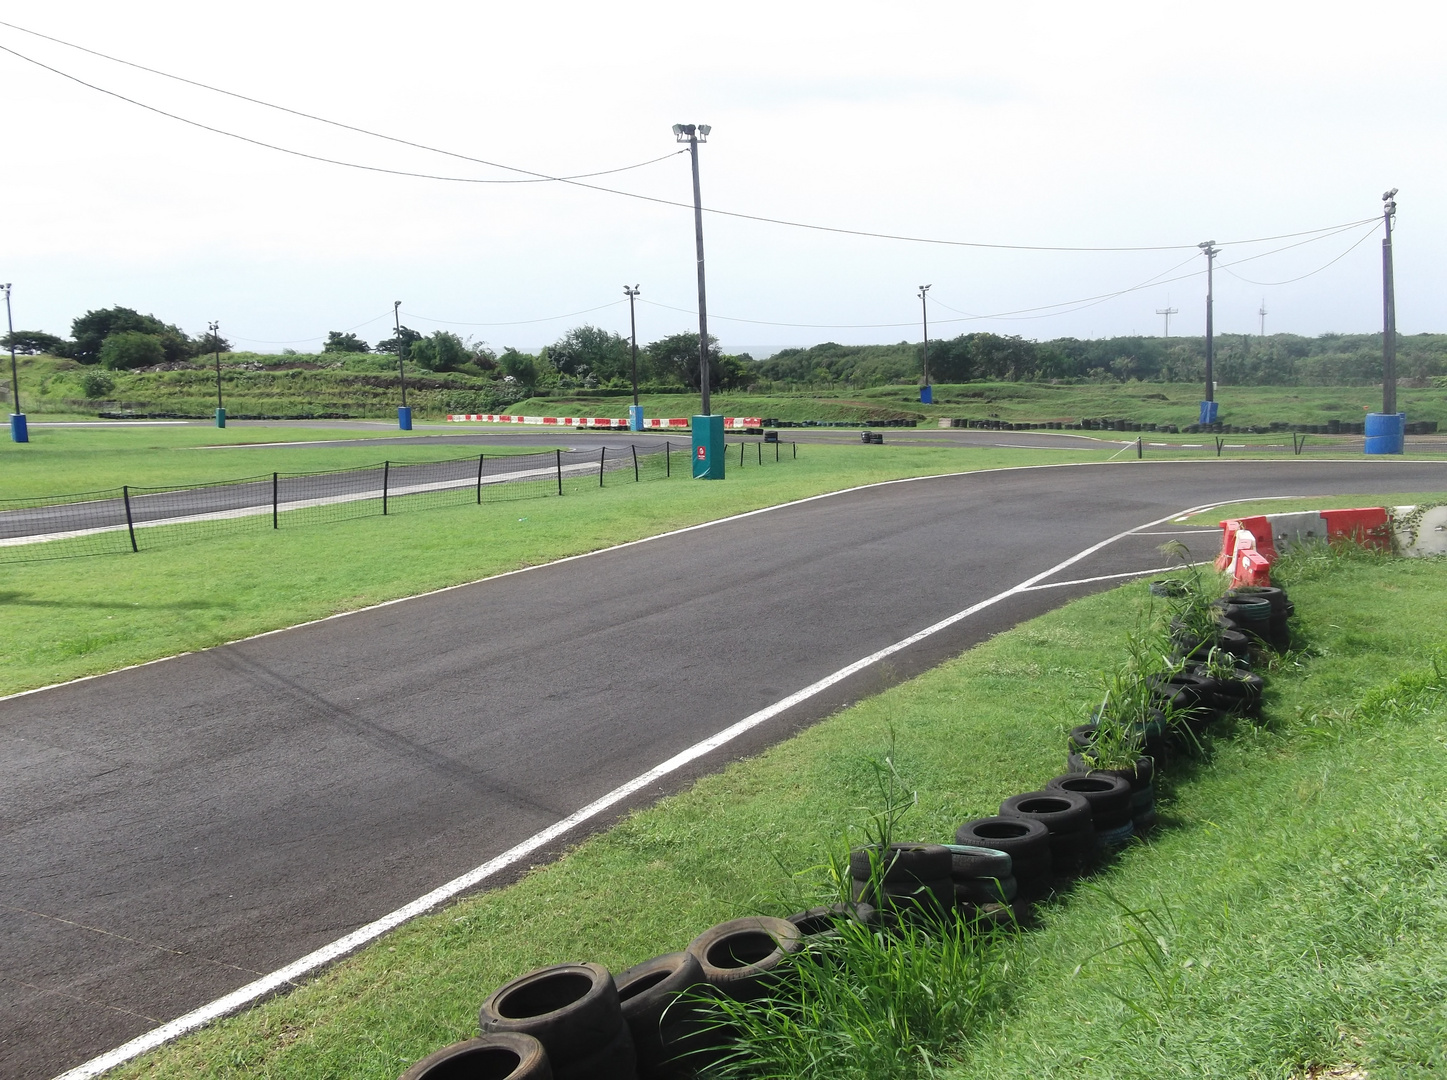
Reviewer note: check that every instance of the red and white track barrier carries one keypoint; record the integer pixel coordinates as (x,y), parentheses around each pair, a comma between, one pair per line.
(1249,545)
(735,423)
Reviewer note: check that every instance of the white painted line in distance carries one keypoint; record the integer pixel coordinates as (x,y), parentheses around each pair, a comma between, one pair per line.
(1103,577)
(371,931)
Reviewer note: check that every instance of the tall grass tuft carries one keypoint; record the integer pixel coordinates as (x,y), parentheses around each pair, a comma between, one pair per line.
(867,1004)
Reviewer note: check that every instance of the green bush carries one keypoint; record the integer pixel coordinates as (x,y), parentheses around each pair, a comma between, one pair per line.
(96,384)
(129,349)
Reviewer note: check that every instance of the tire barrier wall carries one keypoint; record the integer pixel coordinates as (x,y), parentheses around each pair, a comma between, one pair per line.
(653,1020)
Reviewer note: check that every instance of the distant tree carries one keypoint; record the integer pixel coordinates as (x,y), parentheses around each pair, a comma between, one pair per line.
(90,331)
(442,351)
(130,349)
(675,359)
(586,350)
(339,342)
(209,343)
(521,367)
(34,342)
(399,341)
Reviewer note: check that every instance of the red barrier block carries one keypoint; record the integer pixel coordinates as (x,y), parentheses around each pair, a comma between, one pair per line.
(1365,525)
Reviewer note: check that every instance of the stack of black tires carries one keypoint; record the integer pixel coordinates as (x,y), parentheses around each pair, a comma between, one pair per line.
(651,1022)
(579,1022)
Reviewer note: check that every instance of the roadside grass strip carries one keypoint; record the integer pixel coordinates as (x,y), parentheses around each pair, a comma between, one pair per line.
(72,618)
(1290,913)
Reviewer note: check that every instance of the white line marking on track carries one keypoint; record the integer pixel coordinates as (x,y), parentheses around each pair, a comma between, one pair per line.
(371,931)
(1104,577)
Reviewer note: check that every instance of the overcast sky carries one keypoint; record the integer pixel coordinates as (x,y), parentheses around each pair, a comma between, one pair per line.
(1068,125)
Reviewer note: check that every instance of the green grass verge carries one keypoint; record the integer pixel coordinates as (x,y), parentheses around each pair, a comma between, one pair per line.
(1324,502)
(73,617)
(62,461)
(1296,889)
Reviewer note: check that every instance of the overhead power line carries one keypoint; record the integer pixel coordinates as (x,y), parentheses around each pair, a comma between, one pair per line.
(537,178)
(577,180)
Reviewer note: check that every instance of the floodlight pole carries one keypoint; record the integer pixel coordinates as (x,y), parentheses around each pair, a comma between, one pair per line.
(401,345)
(924,308)
(633,335)
(1209,247)
(216,344)
(14,371)
(693,134)
(1389,309)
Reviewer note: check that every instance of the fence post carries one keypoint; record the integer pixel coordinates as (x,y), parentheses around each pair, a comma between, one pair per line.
(796,448)
(776,451)
(667,460)
(479,479)
(741,453)
(760,445)
(1220,442)
(602,452)
(1139,450)
(386,474)
(274,486)
(130,525)
(560,470)
(635,461)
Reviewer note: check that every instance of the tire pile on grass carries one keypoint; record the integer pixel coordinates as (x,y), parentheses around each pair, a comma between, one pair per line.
(659,1021)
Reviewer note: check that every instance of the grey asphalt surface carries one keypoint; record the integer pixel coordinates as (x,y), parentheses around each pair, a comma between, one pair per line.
(172,831)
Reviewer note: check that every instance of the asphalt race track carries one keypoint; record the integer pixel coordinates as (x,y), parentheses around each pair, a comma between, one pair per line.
(174,830)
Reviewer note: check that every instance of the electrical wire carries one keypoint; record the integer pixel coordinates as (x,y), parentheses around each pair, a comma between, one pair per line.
(313,337)
(1270,284)
(578,181)
(1046,311)
(514,322)
(536,179)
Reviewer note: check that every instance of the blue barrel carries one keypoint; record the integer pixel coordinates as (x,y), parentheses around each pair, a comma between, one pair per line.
(927,395)
(404,417)
(1208,412)
(635,417)
(1386,433)
(18,431)
(220,417)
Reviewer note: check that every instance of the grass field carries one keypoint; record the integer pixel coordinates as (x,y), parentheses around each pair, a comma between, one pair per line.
(1329,502)
(367,386)
(74,617)
(1292,902)
(60,461)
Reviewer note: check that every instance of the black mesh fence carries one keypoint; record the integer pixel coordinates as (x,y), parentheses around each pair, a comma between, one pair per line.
(134,518)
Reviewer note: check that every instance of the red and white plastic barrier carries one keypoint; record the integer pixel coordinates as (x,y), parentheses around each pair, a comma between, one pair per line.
(732,422)
(1249,544)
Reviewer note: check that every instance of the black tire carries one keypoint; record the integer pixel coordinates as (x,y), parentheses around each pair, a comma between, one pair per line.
(1139,777)
(986,890)
(739,956)
(1072,853)
(1146,822)
(505,1055)
(616,1061)
(572,1009)
(652,998)
(1238,644)
(823,920)
(969,861)
(1019,838)
(910,898)
(1059,811)
(901,862)
(1082,736)
(1117,835)
(1108,795)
